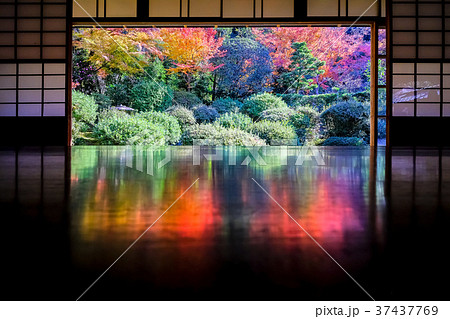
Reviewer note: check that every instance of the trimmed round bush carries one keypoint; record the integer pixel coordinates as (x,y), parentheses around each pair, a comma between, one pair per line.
(205,114)
(149,95)
(118,128)
(84,108)
(235,120)
(226,105)
(168,122)
(343,141)
(184,116)
(274,133)
(347,119)
(258,103)
(213,134)
(186,99)
(306,122)
(277,115)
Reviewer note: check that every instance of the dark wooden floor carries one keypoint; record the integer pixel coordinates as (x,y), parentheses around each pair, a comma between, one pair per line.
(68,215)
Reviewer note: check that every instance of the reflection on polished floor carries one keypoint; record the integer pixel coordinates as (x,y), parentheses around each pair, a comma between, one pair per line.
(68,214)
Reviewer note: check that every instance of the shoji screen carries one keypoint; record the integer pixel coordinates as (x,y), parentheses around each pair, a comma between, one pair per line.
(33,64)
(346,8)
(183,9)
(420,50)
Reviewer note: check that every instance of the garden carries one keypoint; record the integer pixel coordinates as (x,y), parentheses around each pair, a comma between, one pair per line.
(221,86)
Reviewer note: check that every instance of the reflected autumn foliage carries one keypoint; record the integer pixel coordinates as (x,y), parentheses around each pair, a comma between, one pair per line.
(225,222)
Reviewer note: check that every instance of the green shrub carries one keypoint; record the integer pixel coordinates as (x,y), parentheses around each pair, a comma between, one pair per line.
(258,103)
(205,114)
(172,129)
(319,102)
(235,120)
(84,108)
(240,138)
(103,101)
(213,134)
(277,115)
(149,95)
(119,93)
(274,133)
(119,128)
(343,141)
(306,122)
(186,99)
(347,119)
(226,105)
(184,116)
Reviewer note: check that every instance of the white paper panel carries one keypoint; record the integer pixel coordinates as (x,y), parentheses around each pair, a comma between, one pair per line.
(404,38)
(403,68)
(29,38)
(6,53)
(430,52)
(28,53)
(204,8)
(7,96)
(28,10)
(7,11)
(8,24)
(446,80)
(424,81)
(7,39)
(403,9)
(30,96)
(54,10)
(428,96)
(28,25)
(429,68)
(30,82)
(120,8)
(30,68)
(89,7)
(278,8)
(405,52)
(54,81)
(430,24)
(446,110)
(428,109)
(238,8)
(7,68)
(54,95)
(403,109)
(430,37)
(403,81)
(54,38)
(164,8)
(30,109)
(357,8)
(54,53)
(101,8)
(7,82)
(408,24)
(55,109)
(446,95)
(7,110)
(324,8)
(54,68)
(54,25)
(258,8)
(430,9)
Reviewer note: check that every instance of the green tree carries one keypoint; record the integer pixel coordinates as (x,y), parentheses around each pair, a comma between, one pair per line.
(304,68)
